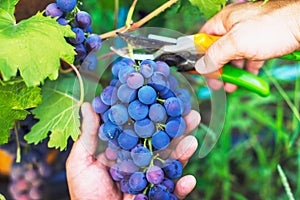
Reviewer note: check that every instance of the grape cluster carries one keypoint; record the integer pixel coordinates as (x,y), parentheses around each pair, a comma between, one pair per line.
(85,43)
(142,110)
(28,177)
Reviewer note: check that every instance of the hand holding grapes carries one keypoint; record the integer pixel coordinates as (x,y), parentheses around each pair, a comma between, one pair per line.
(253,32)
(90,179)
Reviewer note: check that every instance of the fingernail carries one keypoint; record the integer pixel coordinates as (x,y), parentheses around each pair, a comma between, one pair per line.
(200,66)
(205,66)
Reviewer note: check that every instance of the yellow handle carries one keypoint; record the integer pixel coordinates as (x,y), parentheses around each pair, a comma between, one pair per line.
(203,41)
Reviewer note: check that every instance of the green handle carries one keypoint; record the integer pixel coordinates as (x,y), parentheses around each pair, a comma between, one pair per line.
(292,56)
(237,76)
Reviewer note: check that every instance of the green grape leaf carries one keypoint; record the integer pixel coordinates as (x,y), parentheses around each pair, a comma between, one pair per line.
(8,6)
(34,47)
(15,99)
(58,114)
(209,7)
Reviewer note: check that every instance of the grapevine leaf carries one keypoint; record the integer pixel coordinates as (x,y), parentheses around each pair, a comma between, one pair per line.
(208,7)
(14,101)
(58,114)
(34,47)
(8,6)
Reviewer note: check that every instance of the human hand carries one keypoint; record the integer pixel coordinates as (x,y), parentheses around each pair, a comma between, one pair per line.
(253,32)
(87,175)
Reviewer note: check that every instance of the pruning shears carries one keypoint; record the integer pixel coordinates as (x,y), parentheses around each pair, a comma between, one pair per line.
(184,51)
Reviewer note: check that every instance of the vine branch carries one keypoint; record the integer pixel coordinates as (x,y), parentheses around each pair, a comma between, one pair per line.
(81,85)
(141,22)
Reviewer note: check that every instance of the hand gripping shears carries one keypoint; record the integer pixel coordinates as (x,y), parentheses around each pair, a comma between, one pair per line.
(183,52)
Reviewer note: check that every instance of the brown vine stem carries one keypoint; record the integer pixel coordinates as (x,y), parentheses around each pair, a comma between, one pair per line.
(66,71)
(141,22)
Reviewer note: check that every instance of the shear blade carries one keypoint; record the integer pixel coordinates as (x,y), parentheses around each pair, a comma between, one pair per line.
(143,42)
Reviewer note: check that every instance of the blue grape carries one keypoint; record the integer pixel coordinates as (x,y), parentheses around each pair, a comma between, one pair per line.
(66,5)
(89,29)
(128,61)
(159,192)
(113,144)
(124,73)
(158,81)
(118,114)
(160,140)
(111,131)
(109,95)
(90,62)
(62,21)
(166,93)
(127,168)
(124,186)
(163,67)
(141,197)
(147,68)
(135,80)
(117,66)
(93,43)
(115,173)
(137,110)
(53,10)
(173,107)
(127,139)
(175,127)
(172,168)
(144,128)
(101,135)
(114,82)
(169,184)
(173,83)
(141,156)
(81,52)
(83,20)
(183,94)
(126,94)
(173,197)
(155,175)
(111,154)
(123,155)
(79,36)
(147,95)
(137,181)
(157,113)
(104,116)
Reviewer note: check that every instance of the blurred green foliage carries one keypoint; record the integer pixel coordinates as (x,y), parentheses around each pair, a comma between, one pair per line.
(259,133)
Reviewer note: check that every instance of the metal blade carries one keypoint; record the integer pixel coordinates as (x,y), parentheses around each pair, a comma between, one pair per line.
(143,42)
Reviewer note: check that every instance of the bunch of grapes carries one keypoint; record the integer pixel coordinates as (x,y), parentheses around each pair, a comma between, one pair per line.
(85,43)
(28,177)
(142,112)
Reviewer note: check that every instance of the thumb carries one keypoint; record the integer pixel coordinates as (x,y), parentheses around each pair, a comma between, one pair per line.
(219,53)
(87,143)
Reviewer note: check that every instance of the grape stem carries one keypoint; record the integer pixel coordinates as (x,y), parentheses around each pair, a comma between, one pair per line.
(81,85)
(141,22)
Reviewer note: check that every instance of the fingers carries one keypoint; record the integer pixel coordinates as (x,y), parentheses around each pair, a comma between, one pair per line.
(184,186)
(185,149)
(192,119)
(219,53)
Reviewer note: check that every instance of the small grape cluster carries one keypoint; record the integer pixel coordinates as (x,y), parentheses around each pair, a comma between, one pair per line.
(28,177)
(85,43)
(142,110)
